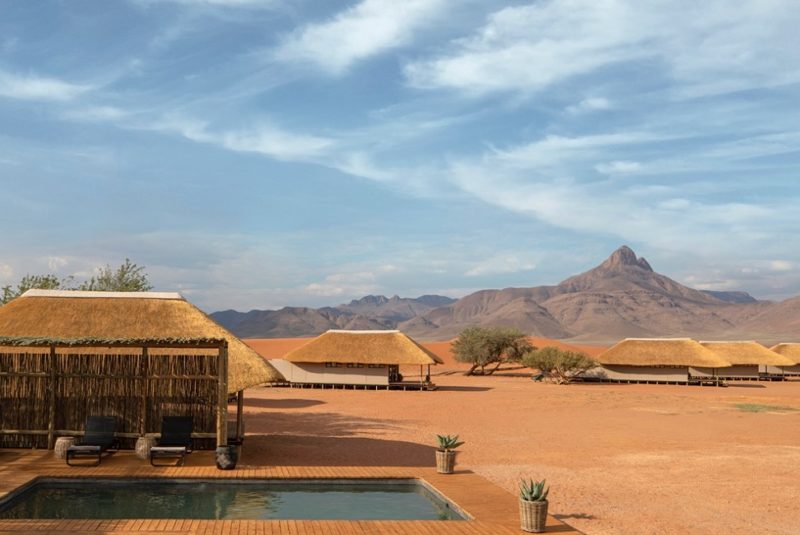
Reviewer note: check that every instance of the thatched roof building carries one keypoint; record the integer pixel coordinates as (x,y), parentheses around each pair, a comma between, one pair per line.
(747,353)
(789,350)
(661,352)
(121,315)
(363,347)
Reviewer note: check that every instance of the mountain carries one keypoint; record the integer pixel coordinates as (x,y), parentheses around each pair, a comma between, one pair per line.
(368,313)
(621,297)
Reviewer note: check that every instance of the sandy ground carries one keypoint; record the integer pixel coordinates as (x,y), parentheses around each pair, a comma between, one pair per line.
(620,458)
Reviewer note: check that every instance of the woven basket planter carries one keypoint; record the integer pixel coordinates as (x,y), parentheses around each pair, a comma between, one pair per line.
(532,516)
(445,461)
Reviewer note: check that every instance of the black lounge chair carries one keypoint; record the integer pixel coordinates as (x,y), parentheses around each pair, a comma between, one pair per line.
(97,440)
(175,441)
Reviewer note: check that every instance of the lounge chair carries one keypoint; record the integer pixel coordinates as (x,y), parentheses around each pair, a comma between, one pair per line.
(97,440)
(175,441)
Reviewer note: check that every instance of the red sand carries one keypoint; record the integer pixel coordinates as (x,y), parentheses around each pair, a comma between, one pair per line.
(620,458)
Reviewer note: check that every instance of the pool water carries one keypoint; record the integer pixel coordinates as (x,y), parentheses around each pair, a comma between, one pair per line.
(232,499)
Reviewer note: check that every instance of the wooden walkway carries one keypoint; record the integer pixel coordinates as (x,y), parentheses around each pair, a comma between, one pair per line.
(493,510)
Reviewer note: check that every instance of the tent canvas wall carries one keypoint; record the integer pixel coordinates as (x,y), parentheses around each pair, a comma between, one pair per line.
(746,358)
(792,352)
(658,360)
(368,358)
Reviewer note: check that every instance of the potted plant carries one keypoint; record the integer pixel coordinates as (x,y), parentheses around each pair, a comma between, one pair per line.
(533,505)
(446,454)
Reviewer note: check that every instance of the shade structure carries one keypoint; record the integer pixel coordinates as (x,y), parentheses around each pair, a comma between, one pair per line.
(363,347)
(747,353)
(128,315)
(661,352)
(789,350)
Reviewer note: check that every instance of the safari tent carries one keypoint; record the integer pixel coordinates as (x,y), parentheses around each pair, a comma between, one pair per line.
(66,355)
(792,352)
(747,358)
(662,360)
(357,358)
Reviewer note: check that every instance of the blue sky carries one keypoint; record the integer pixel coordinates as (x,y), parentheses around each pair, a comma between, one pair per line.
(260,154)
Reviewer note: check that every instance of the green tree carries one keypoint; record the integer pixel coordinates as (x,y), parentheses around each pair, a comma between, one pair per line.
(559,365)
(43,282)
(484,346)
(128,277)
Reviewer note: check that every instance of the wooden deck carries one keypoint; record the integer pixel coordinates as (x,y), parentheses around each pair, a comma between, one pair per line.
(494,511)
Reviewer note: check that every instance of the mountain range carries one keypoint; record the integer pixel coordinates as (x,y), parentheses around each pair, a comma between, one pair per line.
(622,297)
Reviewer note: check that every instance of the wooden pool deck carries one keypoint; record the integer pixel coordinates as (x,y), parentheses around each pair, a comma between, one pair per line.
(494,510)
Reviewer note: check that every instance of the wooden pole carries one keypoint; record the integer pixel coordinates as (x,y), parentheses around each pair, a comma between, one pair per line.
(222,401)
(51,388)
(239,414)
(144,384)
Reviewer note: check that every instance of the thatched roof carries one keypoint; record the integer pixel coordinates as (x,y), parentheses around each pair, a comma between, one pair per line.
(661,352)
(747,353)
(118,315)
(788,350)
(363,347)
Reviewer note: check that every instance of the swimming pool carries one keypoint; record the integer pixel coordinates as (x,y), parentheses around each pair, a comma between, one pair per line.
(214,499)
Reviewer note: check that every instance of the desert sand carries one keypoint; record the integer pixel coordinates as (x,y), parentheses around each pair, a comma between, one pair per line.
(620,458)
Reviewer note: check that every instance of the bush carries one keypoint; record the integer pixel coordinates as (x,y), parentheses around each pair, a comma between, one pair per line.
(561,366)
(483,346)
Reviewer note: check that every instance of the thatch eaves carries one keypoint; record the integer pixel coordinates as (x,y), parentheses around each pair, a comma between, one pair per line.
(363,347)
(661,352)
(790,350)
(747,353)
(65,315)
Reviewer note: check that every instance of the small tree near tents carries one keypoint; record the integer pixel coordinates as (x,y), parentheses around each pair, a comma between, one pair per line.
(559,365)
(486,346)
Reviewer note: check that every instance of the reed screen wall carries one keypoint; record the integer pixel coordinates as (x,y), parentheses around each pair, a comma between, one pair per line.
(46,392)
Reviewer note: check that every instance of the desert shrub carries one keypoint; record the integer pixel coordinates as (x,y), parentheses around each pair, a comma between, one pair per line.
(486,346)
(559,365)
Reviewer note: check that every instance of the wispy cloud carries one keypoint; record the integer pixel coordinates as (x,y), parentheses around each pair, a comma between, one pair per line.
(362,31)
(268,140)
(714,50)
(33,87)
(95,114)
(500,264)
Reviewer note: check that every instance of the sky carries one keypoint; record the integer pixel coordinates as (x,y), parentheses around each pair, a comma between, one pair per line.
(257,154)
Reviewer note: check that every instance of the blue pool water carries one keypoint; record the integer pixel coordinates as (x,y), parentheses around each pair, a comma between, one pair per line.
(231,499)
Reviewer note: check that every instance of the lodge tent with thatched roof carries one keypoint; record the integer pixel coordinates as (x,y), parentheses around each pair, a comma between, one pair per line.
(792,352)
(670,360)
(363,358)
(66,355)
(747,358)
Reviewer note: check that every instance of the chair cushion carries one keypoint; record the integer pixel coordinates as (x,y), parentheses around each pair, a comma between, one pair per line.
(84,448)
(167,449)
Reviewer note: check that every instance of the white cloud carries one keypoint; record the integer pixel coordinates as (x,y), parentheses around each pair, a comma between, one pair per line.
(95,114)
(344,284)
(6,272)
(781,265)
(265,139)
(618,167)
(362,31)
(589,104)
(32,87)
(55,263)
(500,265)
(705,48)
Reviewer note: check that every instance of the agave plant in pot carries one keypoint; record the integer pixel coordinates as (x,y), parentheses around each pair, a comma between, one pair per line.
(446,454)
(533,505)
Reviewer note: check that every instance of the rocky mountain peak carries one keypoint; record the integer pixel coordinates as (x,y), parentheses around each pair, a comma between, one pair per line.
(624,256)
